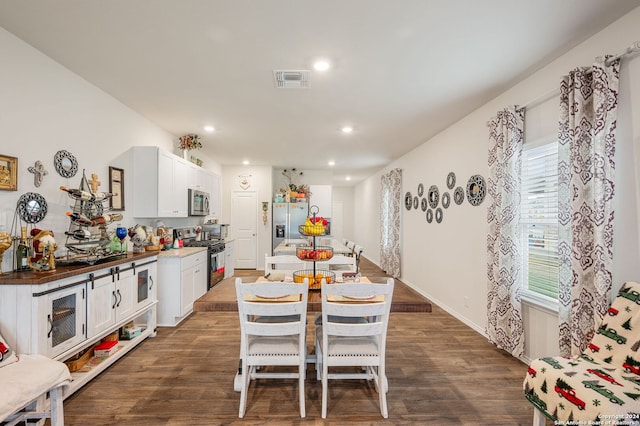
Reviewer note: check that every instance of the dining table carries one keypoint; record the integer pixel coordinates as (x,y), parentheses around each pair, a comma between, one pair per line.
(222,298)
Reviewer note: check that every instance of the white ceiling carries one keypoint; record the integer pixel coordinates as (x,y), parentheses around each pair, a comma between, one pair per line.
(402,70)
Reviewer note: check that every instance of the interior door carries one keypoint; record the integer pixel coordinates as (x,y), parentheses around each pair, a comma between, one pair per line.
(244,211)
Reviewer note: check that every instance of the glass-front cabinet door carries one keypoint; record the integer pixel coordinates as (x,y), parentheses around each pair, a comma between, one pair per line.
(145,284)
(63,322)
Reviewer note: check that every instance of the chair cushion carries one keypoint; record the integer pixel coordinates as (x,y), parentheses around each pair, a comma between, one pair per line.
(349,345)
(273,346)
(27,379)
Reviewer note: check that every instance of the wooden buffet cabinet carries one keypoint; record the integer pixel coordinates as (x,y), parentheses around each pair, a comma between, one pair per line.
(63,312)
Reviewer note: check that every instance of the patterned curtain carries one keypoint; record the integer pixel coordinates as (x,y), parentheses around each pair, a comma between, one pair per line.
(390,208)
(504,325)
(588,110)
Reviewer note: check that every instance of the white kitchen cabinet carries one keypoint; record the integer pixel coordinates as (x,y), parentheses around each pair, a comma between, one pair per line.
(229,259)
(159,183)
(321,196)
(215,201)
(181,280)
(111,297)
(44,315)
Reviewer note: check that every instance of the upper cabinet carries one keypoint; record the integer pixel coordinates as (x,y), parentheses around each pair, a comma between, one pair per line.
(161,181)
(321,197)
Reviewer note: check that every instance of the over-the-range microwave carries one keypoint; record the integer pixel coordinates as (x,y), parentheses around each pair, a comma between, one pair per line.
(198,203)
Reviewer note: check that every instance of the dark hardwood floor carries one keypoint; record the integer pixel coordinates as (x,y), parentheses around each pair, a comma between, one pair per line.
(440,372)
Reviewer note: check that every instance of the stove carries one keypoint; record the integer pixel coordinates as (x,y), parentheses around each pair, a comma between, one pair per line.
(215,251)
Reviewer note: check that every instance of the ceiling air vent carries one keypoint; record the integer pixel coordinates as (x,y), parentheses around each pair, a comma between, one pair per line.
(292,79)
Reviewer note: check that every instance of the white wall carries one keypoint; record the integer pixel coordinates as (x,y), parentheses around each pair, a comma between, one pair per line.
(45,108)
(447,261)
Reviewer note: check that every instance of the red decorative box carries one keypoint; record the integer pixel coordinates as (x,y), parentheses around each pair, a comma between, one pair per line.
(105,348)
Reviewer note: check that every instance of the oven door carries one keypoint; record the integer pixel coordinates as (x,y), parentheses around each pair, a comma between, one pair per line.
(216,268)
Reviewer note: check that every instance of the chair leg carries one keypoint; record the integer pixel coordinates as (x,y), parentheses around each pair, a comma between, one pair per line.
(382,392)
(325,385)
(538,418)
(57,411)
(301,377)
(246,377)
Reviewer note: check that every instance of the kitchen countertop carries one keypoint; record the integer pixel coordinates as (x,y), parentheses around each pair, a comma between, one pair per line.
(181,252)
(67,271)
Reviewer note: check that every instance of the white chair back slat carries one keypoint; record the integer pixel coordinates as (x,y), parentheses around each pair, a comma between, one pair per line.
(285,262)
(347,263)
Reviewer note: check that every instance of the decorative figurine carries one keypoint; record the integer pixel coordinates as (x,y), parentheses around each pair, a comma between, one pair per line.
(44,247)
(39,172)
(94,183)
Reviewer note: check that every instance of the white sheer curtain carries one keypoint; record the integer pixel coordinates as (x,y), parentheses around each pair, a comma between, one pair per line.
(504,325)
(588,111)
(390,208)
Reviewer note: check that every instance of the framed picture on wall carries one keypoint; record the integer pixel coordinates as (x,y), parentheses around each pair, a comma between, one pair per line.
(116,187)
(8,173)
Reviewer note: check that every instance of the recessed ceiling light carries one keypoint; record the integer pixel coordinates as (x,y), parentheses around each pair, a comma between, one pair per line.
(347,178)
(209,129)
(321,65)
(332,163)
(245,162)
(347,129)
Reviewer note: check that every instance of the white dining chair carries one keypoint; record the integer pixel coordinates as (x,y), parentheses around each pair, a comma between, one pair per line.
(357,254)
(273,332)
(284,262)
(357,344)
(337,263)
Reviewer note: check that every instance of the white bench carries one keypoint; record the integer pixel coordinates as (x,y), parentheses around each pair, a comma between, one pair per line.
(25,385)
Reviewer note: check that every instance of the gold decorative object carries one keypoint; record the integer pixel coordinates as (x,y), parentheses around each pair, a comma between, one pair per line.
(94,183)
(5,243)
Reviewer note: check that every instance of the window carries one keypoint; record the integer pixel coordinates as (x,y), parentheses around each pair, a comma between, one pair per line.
(539,220)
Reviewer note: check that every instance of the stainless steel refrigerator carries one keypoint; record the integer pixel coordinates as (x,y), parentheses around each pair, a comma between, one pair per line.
(286,219)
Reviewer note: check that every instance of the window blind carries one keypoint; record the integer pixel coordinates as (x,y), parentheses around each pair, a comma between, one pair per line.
(539,218)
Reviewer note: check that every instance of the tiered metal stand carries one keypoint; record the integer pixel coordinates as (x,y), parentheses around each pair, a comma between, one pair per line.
(95,248)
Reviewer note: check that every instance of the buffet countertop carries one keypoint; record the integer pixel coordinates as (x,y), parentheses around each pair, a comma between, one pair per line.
(61,272)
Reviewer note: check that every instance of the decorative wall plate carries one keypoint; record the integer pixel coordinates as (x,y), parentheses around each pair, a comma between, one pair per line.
(420,190)
(429,216)
(446,200)
(458,195)
(408,200)
(66,164)
(416,202)
(32,207)
(433,196)
(424,204)
(476,190)
(451,180)
(438,215)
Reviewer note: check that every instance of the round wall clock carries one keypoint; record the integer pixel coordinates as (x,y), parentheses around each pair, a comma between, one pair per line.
(476,190)
(446,200)
(451,180)
(433,196)
(408,200)
(66,164)
(458,195)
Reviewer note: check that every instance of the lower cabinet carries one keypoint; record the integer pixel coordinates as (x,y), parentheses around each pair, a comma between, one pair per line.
(182,280)
(62,318)
(229,259)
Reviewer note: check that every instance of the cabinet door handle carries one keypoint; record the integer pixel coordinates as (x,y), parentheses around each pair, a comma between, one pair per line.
(115,299)
(151,280)
(119,298)
(51,324)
